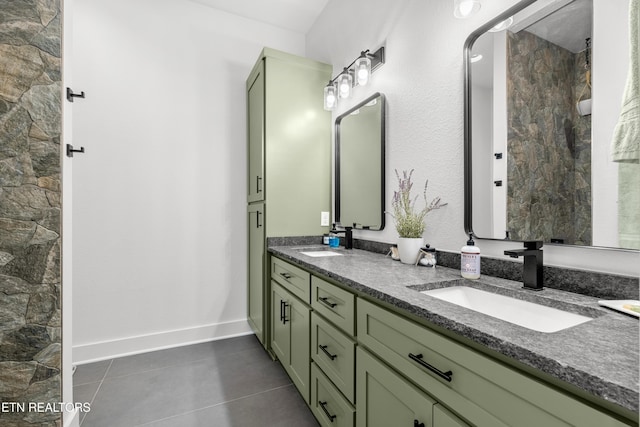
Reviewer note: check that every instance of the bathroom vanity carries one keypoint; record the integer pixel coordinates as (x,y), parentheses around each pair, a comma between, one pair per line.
(366,347)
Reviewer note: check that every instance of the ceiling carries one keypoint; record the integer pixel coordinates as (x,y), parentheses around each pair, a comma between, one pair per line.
(294,15)
(567,27)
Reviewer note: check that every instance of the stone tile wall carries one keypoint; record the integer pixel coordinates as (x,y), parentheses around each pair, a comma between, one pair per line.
(30,209)
(549,143)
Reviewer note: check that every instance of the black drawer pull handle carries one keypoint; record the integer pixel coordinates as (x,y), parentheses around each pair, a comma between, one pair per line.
(324,349)
(323,405)
(326,302)
(258,224)
(258,186)
(284,312)
(419,359)
(417,423)
(281,310)
(286,275)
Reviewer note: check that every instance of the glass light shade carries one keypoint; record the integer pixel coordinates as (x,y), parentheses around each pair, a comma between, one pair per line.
(345,83)
(465,8)
(502,25)
(330,97)
(363,70)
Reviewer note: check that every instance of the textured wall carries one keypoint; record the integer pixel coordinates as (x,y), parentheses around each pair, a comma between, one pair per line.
(548,143)
(30,127)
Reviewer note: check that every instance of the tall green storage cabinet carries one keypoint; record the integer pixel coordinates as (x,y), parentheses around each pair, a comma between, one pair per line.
(288,163)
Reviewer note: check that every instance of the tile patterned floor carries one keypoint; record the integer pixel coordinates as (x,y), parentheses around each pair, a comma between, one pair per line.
(224,383)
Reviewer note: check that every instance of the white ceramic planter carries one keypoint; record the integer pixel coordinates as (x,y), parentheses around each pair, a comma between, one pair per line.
(409,248)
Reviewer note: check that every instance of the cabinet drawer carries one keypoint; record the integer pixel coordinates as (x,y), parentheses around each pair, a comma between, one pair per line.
(334,352)
(294,279)
(479,389)
(336,304)
(327,404)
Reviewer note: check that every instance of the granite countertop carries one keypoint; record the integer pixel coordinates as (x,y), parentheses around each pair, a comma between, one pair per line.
(600,357)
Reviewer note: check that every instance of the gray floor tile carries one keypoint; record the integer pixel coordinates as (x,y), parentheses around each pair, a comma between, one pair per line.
(180,355)
(90,372)
(282,407)
(85,393)
(160,393)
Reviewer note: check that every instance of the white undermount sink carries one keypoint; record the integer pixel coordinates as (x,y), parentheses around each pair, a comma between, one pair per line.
(523,313)
(317,254)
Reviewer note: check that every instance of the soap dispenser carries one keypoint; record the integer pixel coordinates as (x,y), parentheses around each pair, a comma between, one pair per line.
(470,260)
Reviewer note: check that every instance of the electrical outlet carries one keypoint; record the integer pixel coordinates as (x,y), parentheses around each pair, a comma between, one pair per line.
(324,219)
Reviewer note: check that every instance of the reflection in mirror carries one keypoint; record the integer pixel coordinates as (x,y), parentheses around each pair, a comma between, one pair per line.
(530,173)
(359,179)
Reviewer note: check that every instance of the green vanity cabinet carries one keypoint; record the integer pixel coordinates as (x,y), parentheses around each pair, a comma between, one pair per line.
(288,161)
(290,336)
(356,359)
(479,389)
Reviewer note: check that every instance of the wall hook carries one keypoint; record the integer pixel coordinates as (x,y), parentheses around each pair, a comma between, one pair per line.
(71,95)
(70,150)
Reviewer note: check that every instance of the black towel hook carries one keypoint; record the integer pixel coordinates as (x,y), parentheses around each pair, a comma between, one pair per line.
(71,95)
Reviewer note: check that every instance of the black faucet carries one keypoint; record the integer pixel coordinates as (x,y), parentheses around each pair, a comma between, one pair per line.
(348,236)
(532,274)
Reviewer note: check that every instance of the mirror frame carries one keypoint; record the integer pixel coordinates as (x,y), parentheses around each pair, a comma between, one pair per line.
(382,160)
(468,179)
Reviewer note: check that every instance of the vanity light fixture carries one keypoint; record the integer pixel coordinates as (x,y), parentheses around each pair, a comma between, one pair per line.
(465,8)
(358,73)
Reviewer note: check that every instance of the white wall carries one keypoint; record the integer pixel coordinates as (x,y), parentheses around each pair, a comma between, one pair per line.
(610,67)
(423,82)
(159,233)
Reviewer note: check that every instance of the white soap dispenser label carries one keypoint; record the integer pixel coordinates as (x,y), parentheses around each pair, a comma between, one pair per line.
(470,260)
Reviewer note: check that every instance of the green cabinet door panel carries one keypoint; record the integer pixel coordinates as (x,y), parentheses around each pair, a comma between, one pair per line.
(256,295)
(290,336)
(280,330)
(386,399)
(255,133)
(299,363)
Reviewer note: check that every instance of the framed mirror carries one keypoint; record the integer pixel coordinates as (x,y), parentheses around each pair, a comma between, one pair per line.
(360,165)
(539,125)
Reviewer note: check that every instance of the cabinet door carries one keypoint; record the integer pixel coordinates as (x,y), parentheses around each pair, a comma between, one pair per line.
(290,336)
(255,271)
(386,399)
(299,363)
(255,131)
(280,326)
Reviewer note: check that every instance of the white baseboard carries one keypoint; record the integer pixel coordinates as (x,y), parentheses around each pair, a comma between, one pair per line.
(102,350)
